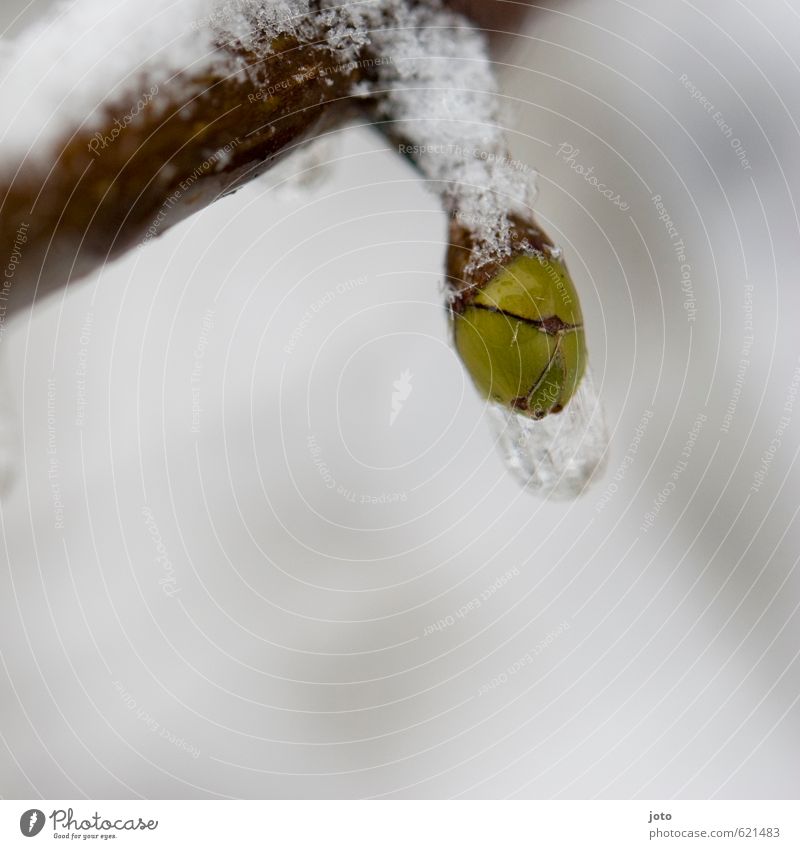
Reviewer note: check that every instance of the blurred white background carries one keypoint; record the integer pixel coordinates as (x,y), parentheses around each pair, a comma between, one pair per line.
(279,642)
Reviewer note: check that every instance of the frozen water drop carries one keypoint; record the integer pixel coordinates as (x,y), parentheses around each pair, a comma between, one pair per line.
(559,455)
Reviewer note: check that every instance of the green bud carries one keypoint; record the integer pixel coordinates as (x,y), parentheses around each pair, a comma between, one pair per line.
(521,337)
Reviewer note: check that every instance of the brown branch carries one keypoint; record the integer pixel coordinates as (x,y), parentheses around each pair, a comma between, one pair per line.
(198,139)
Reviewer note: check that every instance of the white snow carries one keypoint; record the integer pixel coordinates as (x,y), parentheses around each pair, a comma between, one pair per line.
(440,93)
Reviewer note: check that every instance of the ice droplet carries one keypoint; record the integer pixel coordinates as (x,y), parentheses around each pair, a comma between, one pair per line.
(560,454)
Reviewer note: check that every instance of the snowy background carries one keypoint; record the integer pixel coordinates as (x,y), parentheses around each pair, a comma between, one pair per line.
(225,573)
